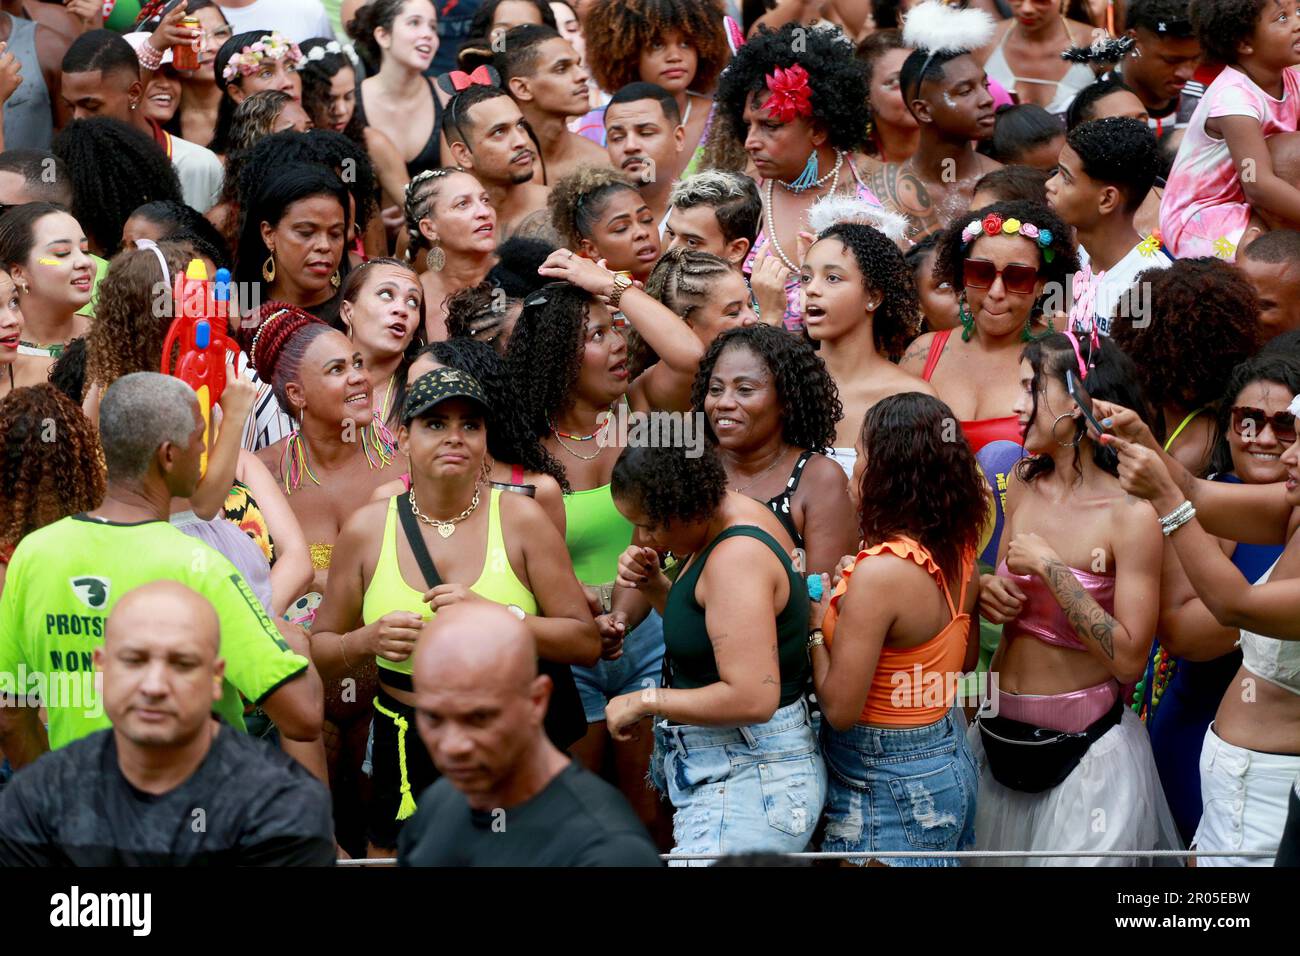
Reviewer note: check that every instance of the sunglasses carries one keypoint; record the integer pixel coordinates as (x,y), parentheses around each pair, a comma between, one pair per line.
(1249,423)
(982,273)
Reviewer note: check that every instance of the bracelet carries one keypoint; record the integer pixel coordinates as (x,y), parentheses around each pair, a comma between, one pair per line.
(343,646)
(150,56)
(816,639)
(1177,518)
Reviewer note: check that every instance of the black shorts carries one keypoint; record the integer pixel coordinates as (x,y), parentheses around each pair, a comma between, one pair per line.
(386,771)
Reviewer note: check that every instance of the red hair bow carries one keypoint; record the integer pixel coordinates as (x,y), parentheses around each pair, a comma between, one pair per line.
(463,81)
(791,96)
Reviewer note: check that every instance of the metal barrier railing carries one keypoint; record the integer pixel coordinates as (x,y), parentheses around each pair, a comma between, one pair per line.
(945,854)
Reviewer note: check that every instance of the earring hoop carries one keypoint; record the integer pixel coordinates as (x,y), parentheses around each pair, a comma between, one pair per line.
(268,268)
(335,281)
(1078,435)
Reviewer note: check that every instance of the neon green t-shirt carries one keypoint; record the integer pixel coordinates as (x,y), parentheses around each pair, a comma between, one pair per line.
(64,580)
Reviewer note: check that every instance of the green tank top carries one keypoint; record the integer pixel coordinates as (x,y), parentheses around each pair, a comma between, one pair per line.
(688,651)
(596,534)
(388,590)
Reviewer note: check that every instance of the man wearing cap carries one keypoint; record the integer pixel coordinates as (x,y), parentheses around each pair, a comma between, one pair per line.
(452,539)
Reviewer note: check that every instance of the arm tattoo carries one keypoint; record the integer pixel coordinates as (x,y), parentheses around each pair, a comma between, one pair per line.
(1086,616)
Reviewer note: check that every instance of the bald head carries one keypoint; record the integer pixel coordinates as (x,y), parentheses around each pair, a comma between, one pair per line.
(161,665)
(475,645)
(479,701)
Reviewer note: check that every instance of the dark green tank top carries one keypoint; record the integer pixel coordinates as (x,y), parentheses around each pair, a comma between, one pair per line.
(688,656)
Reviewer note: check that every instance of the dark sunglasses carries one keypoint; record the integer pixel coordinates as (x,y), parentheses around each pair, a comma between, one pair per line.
(1249,423)
(982,273)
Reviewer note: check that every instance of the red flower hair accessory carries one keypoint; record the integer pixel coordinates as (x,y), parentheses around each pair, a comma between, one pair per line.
(992,224)
(791,96)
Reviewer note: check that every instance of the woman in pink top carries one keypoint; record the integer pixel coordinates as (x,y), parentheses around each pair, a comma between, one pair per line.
(1232,179)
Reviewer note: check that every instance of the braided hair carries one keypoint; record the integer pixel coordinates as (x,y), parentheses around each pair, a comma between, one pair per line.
(682,280)
(277,346)
(421,194)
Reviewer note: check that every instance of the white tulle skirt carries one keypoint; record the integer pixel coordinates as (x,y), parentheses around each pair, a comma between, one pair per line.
(1111,801)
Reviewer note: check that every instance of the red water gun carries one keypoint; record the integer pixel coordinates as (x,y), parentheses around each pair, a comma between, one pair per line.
(201,309)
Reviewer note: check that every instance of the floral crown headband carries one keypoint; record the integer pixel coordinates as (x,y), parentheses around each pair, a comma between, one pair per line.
(273,46)
(993,224)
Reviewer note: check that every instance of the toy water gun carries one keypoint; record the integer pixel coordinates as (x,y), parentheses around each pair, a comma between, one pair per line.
(201,309)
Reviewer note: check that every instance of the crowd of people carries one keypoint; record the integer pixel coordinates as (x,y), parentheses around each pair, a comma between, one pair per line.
(572,433)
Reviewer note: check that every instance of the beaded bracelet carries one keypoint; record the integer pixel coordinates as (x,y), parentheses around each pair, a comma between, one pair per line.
(1177,518)
(150,56)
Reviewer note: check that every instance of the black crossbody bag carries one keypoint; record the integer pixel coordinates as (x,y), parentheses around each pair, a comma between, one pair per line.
(566,721)
(1033,759)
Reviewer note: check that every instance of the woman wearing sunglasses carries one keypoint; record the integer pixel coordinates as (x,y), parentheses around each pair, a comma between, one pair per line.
(1008,264)
(1196,667)
(1251,756)
(1064,765)
(860,329)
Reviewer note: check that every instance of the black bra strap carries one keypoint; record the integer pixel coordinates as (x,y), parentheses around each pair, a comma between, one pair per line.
(411,525)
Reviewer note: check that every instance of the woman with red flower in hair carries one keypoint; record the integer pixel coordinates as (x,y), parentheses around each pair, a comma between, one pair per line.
(796,97)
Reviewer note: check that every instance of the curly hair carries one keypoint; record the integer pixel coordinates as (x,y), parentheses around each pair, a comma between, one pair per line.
(256,116)
(577,201)
(668,484)
(1281,367)
(919,483)
(115,169)
(1222,25)
(1119,151)
(838,81)
(45,478)
(618,31)
(317,78)
(807,395)
(1203,321)
(129,328)
(545,352)
(510,439)
(1112,377)
(953,250)
(898,319)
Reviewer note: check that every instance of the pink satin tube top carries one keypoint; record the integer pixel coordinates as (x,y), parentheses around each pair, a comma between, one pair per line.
(1042,617)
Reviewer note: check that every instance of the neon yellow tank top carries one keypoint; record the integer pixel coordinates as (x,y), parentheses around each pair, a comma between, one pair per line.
(596,534)
(388,590)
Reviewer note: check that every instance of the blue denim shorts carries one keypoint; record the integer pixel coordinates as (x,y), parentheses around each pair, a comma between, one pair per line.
(905,789)
(756,789)
(641,666)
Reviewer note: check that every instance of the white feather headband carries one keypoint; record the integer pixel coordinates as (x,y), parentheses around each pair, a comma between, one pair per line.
(831,210)
(934,27)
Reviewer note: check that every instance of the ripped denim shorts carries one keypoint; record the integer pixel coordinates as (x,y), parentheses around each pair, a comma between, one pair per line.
(756,789)
(900,789)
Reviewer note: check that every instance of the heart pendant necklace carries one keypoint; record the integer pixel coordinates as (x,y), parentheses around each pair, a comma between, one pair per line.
(448,527)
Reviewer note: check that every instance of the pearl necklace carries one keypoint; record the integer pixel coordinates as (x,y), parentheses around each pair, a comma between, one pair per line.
(771,212)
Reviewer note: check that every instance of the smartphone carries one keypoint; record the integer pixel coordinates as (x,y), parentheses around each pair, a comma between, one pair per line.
(1081,399)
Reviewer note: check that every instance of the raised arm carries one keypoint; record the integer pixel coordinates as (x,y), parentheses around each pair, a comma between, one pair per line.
(223,454)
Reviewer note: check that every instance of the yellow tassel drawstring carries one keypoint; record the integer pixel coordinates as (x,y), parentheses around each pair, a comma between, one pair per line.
(406,808)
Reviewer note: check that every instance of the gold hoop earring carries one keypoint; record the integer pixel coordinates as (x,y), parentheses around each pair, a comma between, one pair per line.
(335,281)
(485,473)
(435,259)
(268,269)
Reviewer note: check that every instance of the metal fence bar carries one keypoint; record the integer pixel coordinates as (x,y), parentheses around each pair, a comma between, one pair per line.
(943,854)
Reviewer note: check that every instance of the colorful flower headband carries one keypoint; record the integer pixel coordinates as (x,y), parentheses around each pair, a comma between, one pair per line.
(992,224)
(791,96)
(273,46)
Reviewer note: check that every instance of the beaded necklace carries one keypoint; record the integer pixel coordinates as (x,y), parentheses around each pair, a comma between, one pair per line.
(771,213)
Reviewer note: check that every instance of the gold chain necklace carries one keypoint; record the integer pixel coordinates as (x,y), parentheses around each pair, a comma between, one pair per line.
(753,481)
(445,528)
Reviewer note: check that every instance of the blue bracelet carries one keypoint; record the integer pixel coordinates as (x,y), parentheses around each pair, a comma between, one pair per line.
(815,587)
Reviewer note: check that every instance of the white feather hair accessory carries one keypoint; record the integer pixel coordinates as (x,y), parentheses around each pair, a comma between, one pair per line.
(830,210)
(935,27)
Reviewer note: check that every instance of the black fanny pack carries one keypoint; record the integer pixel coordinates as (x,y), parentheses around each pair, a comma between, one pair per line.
(1033,759)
